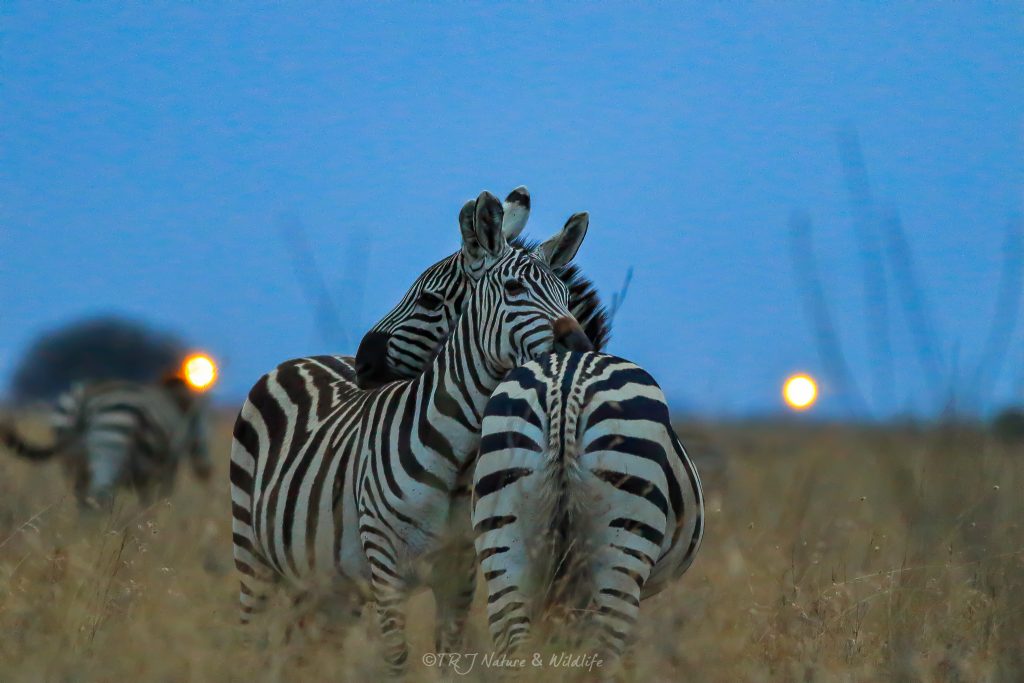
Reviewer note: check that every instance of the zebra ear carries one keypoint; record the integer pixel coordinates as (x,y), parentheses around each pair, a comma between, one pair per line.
(488,219)
(482,239)
(517,212)
(470,247)
(559,250)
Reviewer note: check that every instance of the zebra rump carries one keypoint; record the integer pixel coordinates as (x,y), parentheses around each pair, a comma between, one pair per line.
(117,434)
(584,500)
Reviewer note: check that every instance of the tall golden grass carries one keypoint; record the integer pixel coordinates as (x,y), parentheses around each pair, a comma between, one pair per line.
(831,553)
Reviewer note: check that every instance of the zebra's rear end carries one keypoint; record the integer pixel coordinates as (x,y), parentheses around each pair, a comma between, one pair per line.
(256,574)
(116,434)
(584,499)
(270,438)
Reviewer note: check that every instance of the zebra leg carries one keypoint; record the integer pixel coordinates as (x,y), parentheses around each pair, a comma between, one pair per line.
(616,604)
(108,455)
(504,561)
(508,552)
(301,612)
(390,591)
(257,574)
(453,582)
(258,577)
(391,596)
(254,587)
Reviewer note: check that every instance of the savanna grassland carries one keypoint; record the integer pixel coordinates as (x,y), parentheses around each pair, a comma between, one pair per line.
(831,553)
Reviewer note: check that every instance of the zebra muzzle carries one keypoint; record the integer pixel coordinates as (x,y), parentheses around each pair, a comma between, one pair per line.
(569,336)
(372,368)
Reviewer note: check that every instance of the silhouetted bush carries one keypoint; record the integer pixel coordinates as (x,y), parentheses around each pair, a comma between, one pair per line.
(94,349)
(1008,426)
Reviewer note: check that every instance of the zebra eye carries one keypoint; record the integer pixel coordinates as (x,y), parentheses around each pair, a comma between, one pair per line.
(514,287)
(429,301)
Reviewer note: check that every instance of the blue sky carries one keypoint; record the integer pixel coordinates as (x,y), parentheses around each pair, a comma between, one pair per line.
(153,154)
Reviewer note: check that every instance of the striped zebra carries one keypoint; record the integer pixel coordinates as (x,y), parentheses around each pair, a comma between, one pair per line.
(314,386)
(584,500)
(405,340)
(118,434)
(621,456)
(356,489)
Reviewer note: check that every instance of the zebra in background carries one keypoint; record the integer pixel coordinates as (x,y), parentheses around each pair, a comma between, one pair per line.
(584,500)
(123,434)
(405,340)
(360,492)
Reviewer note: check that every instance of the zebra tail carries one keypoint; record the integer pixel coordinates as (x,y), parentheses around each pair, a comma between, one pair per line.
(569,578)
(23,449)
(67,420)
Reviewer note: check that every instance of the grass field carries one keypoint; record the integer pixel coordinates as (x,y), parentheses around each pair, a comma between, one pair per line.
(831,553)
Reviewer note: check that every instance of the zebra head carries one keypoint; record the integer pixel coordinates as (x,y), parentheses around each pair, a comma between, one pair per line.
(518,307)
(406,339)
(403,343)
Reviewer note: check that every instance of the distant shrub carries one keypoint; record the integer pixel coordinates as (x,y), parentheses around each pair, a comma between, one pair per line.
(94,349)
(1008,426)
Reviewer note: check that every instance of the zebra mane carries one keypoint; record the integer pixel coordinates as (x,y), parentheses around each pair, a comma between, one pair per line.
(584,302)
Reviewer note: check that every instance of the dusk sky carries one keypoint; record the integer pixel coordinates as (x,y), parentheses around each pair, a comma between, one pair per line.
(151,157)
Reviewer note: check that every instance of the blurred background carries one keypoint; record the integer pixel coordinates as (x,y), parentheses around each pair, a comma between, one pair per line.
(834,190)
(828,191)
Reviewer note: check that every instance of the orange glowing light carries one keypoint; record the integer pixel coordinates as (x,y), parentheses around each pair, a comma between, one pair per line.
(800,391)
(199,371)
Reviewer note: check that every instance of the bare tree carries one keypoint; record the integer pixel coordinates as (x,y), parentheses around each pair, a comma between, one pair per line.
(817,310)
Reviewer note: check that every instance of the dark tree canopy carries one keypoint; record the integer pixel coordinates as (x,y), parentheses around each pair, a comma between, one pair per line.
(1008,426)
(94,349)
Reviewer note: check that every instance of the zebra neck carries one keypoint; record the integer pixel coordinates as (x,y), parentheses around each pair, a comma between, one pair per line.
(454,392)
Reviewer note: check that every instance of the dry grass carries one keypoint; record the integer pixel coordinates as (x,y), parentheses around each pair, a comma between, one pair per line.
(831,554)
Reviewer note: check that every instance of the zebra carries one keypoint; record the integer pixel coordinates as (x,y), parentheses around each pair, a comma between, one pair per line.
(584,499)
(404,341)
(354,487)
(624,432)
(114,434)
(435,298)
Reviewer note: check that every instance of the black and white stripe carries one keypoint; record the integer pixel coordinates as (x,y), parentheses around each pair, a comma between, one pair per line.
(353,488)
(122,434)
(405,340)
(627,400)
(585,501)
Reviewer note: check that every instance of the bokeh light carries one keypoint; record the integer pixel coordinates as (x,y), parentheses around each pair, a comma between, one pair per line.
(800,391)
(199,371)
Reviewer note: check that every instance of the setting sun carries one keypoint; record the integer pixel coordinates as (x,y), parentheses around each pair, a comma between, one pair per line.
(800,392)
(199,371)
